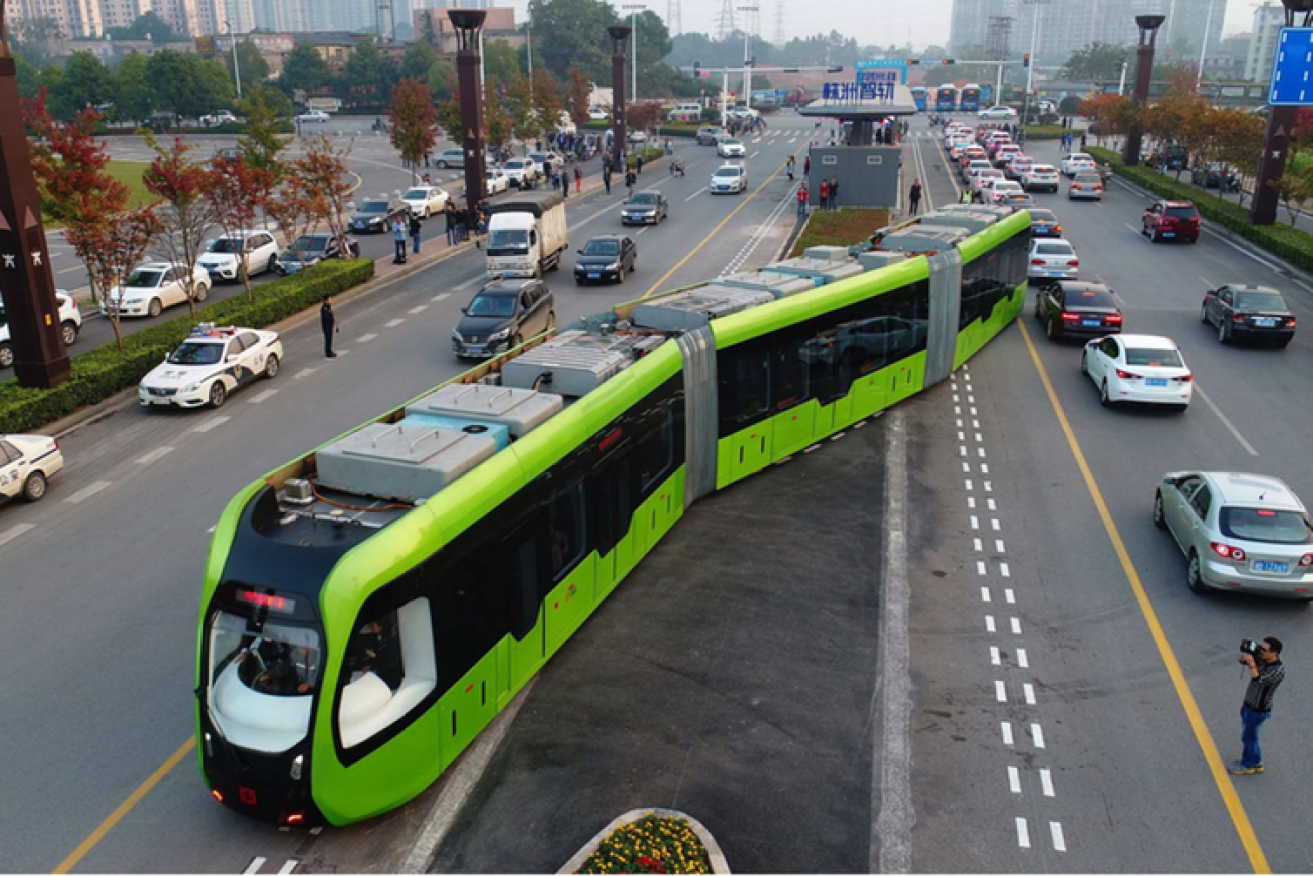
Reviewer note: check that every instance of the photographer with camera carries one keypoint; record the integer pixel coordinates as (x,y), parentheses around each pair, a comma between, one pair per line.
(1266,672)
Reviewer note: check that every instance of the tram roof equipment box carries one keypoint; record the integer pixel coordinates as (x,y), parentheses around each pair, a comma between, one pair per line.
(873,261)
(395,461)
(691,310)
(578,362)
(519,410)
(827,253)
(923,239)
(975,221)
(822,272)
(999,213)
(778,284)
(496,431)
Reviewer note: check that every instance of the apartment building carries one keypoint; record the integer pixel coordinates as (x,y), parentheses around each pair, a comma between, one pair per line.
(1268,21)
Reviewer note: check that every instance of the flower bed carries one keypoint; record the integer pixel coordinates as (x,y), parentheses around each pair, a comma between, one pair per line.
(650,841)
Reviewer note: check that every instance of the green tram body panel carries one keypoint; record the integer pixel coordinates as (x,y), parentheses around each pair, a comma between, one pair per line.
(387,775)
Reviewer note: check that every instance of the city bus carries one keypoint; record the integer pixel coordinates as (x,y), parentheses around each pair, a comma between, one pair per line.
(946,98)
(370,607)
(969,102)
(918,97)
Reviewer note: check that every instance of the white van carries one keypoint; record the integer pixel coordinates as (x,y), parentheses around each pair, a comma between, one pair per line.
(686,112)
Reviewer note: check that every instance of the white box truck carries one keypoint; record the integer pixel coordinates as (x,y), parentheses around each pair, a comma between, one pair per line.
(526,234)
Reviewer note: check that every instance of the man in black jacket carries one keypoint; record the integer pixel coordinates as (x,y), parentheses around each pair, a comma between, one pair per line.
(328,322)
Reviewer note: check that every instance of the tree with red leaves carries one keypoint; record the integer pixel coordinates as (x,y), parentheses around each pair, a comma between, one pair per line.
(111,249)
(578,91)
(414,122)
(235,191)
(181,182)
(325,179)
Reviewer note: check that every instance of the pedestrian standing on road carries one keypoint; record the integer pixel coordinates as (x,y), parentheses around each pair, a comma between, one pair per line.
(565,185)
(807,167)
(449,213)
(966,197)
(462,223)
(606,177)
(914,197)
(578,180)
(802,201)
(399,241)
(1082,141)
(415,229)
(825,195)
(1266,672)
(638,162)
(328,323)
(788,168)
(630,179)
(834,193)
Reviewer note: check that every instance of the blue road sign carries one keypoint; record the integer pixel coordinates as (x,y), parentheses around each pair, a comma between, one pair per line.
(1292,68)
(899,64)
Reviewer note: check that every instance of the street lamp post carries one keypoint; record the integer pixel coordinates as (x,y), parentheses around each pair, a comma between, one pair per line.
(1276,141)
(1030,71)
(619,36)
(1203,51)
(634,9)
(468,24)
(1148,25)
(1121,83)
(747,53)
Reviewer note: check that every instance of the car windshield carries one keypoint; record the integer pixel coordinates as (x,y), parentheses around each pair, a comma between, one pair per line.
(646,199)
(728,171)
(271,658)
(493,305)
(197,353)
(1043,216)
(513,239)
(416,195)
(1087,178)
(728,141)
(143,279)
(1091,298)
(310,243)
(1265,524)
(1079,156)
(1054,249)
(1182,212)
(374,207)
(1153,358)
(225,244)
(1260,301)
(602,247)
(515,164)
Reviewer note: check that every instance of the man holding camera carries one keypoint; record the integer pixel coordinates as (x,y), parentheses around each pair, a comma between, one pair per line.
(1266,673)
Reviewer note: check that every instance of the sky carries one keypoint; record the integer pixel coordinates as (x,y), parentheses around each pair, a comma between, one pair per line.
(870,22)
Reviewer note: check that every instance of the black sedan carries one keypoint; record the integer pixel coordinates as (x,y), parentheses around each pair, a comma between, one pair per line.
(608,257)
(377,214)
(1248,311)
(311,249)
(1044,223)
(1071,308)
(644,208)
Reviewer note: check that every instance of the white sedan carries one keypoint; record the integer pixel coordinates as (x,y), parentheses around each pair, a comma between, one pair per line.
(424,201)
(209,365)
(496,180)
(153,286)
(1142,369)
(27,462)
(1076,161)
(313,116)
(997,114)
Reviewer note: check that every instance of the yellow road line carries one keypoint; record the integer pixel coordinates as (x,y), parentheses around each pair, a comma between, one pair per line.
(76,856)
(1240,818)
(692,252)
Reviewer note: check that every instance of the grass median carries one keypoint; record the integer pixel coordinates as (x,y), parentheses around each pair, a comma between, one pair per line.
(839,227)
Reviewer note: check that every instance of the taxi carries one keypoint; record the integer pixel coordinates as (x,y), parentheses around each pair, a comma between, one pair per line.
(27,462)
(209,365)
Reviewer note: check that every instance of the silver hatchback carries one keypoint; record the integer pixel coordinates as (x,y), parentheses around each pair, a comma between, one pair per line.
(1238,531)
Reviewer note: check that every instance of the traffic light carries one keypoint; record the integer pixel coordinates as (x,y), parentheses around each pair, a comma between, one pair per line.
(1025,60)
(948,61)
(912,62)
(697,69)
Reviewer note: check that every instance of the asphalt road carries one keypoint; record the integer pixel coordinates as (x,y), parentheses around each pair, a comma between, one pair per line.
(101,578)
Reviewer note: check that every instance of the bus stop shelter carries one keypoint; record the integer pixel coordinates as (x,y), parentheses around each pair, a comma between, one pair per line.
(868,174)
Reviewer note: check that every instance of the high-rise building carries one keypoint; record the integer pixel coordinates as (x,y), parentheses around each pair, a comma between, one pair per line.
(1268,21)
(75,19)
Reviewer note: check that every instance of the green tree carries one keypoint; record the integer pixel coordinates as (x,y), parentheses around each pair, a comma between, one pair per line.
(28,77)
(188,84)
(255,69)
(519,103)
(497,125)
(370,72)
(442,80)
(86,82)
(148,25)
(37,39)
(262,146)
(417,62)
(653,45)
(500,60)
(304,69)
(1097,61)
(572,33)
(135,100)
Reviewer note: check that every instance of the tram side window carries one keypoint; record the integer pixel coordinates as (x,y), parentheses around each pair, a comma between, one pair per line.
(656,452)
(391,667)
(802,364)
(744,385)
(1018,251)
(565,530)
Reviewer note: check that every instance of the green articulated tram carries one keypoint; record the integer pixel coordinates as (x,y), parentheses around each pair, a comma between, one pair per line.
(369,608)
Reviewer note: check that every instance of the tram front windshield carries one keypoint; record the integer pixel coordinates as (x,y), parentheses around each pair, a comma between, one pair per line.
(268,657)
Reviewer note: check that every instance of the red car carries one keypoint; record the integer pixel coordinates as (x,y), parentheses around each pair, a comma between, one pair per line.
(1171,220)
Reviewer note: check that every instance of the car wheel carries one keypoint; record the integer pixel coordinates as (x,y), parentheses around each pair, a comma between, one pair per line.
(1159,520)
(1085,362)
(6,356)
(1203,314)
(1153,235)
(516,340)
(272,263)
(442,165)
(1103,395)
(34,487)
(155,308)
(70,332)
(1193,240)
(1051,329)
(218,394)
(1223,332)
(202,291)
(1193,575)
(620,277)
(271,366)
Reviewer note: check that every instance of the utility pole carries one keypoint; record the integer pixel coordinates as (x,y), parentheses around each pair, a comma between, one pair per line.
(1036,8)
(634,9)
(747,54)
(1121,84)
(1203,51)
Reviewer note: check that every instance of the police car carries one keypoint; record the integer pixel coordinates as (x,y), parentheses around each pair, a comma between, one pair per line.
(209,365)
(27,462)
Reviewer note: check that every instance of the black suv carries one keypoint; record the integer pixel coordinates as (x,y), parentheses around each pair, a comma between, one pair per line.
(502,316)
(1248,311)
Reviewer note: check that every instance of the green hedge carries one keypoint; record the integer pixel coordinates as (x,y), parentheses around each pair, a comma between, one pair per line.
(1050,132)
(104,371)
(1283,241)
(650,154)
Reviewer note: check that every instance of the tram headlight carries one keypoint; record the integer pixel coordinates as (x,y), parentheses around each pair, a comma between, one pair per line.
(297,763)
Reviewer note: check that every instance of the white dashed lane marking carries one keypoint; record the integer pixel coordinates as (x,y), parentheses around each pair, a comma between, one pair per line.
(155,454)
(416,311)
(1023,833)
(1000,692)
(15,531)
(211,423)
(86,492)
(1037,735)
(1059,841)
(254,866)
(264,396)
(393,323)
(441,297)
(1046,783)
(365,339)
(304,372)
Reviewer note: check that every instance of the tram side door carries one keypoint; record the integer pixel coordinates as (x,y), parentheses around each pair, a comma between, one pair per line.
(528,643)
(612,510)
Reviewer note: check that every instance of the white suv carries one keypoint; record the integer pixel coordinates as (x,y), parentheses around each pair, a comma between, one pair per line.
(70,323)
(258,248)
